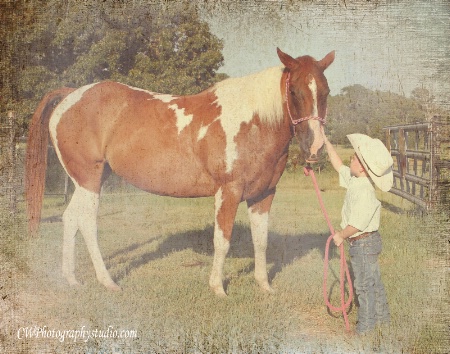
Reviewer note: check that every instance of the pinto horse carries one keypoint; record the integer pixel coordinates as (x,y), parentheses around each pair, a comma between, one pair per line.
(230,141)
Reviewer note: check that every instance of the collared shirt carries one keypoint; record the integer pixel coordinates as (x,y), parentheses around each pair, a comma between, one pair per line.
(361,207)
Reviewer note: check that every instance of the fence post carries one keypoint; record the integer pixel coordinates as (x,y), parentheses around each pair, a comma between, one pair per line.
(440,162)
(402,161)
(422,181)
(387,138)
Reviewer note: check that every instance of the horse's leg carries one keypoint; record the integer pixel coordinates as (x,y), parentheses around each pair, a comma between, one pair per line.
(82,214)
(68,254)
(258,211)
(226,204)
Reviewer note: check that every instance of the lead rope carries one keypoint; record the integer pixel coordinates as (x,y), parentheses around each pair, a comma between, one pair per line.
(343,264)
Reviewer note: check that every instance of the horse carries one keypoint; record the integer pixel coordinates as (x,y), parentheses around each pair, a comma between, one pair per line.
(229,141)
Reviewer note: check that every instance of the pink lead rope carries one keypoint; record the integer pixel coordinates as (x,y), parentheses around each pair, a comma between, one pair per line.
(343,264)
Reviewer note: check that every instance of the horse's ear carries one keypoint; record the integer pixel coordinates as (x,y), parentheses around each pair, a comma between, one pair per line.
(325,62)
(286,59)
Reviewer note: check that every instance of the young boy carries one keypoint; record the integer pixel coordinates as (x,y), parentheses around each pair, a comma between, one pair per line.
(371,164)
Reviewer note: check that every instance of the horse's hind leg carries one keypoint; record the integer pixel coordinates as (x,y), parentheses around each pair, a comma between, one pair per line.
(258,211)
(82,214)
(70,230)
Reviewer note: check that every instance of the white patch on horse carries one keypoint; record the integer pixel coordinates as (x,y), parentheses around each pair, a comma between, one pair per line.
(313,87)
(139,89)
(202,132)
(163,97)
(81,214)
(314,124)
(241,98)
(70,100)
(82,204)
(221,247)
(259,224)
(183,120)
(218,200)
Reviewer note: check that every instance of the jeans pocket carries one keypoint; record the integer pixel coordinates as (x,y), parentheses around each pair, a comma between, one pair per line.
(373,248)
(372,258)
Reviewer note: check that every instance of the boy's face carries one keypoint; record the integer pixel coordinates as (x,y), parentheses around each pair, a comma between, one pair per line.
(356,167)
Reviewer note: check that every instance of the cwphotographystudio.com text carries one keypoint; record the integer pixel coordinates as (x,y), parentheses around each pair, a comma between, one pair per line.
(74,335)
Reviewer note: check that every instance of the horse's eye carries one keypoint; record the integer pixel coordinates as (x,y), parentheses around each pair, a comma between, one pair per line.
(292,93)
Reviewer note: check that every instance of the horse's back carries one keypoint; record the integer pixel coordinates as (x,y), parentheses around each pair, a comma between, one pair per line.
(140,134)
(185,146)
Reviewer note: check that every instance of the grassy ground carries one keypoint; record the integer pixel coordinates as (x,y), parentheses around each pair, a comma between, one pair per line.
(160,252)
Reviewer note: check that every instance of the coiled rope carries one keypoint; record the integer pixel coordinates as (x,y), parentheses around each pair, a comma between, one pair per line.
(344,272)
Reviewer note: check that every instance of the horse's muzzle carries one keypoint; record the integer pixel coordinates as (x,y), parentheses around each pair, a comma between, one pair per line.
(312,159)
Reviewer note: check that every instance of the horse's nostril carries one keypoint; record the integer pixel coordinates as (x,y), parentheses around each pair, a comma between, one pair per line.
(313,156)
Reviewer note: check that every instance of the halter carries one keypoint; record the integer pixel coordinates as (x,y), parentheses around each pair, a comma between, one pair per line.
(299,120)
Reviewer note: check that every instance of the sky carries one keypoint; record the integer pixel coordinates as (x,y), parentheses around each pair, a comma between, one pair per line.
(395,46)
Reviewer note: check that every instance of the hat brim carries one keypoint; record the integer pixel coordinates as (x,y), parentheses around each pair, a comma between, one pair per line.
(385,181)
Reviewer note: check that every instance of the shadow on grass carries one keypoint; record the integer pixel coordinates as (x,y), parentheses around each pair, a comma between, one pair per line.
(392,208)
(282,250)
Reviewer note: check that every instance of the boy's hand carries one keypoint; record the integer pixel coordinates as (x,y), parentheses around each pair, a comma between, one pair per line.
(347,232)
(338,239)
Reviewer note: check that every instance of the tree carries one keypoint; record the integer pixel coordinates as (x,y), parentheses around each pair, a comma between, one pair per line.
(163,47)
(14,17)
(360,110)
(423,97)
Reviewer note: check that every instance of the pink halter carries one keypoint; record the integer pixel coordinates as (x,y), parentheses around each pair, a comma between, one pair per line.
(299,120)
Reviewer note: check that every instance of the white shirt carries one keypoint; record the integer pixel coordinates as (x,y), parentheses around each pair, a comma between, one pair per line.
(361,207)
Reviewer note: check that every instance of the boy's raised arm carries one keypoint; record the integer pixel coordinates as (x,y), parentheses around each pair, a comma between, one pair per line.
(332,154)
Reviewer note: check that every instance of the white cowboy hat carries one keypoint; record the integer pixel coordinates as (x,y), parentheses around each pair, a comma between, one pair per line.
(375,158)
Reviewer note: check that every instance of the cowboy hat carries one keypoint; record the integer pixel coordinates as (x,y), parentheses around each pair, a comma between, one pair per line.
(375,158)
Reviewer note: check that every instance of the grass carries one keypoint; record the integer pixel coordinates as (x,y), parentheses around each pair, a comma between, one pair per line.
(13,266)
(160,252)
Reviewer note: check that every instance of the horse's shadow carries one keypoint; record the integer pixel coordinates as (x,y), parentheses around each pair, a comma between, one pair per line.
(282,250)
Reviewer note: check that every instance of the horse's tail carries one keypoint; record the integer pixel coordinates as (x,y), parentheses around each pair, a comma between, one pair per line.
(36,157)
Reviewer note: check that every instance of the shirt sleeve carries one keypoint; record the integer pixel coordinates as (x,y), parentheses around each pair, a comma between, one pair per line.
(363,210)
(344,176)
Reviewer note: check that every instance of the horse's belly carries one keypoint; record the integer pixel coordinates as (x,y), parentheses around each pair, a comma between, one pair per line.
(164,174)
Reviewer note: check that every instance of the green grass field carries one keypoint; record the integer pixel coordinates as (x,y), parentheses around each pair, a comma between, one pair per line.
(160,252)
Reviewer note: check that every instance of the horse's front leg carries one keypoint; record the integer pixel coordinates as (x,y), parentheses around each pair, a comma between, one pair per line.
(258,211)
(226,204)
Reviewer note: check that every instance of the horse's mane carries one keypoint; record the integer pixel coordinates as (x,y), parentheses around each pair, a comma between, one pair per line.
(258,93)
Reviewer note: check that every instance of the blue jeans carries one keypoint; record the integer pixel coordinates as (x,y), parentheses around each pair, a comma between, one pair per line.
(373,306)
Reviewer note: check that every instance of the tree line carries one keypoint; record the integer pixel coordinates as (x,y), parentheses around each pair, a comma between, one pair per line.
(161,46)
(360,110)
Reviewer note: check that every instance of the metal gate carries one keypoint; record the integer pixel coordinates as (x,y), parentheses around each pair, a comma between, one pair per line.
(420,154)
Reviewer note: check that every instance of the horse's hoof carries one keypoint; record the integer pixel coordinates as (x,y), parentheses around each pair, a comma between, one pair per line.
(113,287)
(73,282)
(218,290)
(267,288)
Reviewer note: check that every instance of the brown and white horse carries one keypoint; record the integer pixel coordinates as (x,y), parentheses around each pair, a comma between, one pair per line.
(229,141)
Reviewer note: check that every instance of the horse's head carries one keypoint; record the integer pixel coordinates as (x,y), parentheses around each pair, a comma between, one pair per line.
(305,91)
